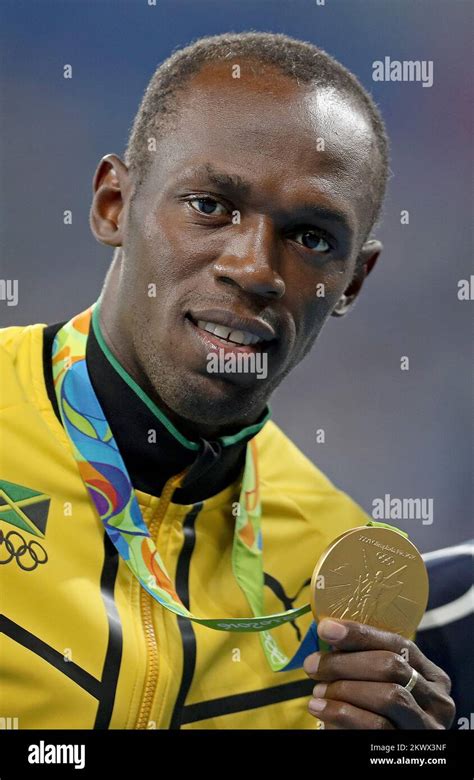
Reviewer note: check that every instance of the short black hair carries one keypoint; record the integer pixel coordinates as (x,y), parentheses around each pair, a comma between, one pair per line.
(300,60)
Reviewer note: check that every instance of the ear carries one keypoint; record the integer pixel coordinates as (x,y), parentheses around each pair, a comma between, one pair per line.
(366,260)
(110,192)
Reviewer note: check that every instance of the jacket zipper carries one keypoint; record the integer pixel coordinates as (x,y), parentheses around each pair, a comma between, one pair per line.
(146,608)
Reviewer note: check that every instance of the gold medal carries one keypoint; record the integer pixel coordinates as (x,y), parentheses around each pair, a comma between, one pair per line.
(371,575)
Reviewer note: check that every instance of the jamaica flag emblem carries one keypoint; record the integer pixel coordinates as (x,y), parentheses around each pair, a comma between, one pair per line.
(27,510)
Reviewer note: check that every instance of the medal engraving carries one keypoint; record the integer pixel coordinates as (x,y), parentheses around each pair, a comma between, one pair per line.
(374,576)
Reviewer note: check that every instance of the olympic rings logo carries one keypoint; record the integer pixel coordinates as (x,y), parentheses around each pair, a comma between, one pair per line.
(28,555)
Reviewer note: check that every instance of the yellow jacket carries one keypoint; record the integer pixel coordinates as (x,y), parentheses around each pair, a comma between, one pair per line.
(82,645)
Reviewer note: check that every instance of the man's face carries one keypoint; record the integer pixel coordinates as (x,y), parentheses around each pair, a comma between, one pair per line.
(251,218)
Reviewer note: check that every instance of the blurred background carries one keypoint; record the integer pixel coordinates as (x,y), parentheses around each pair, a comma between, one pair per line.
(403,433)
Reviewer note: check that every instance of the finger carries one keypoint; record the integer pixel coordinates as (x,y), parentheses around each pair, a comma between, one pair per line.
(341,715)
(379,666)
(347,635)
(370,666)
(392,701)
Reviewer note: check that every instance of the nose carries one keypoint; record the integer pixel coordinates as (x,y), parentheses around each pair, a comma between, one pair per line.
(249,260)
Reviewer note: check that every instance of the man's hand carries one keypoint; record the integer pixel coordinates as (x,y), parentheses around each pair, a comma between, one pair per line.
(361,681)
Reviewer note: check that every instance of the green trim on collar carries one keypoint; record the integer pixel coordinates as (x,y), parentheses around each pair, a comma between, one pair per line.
(250,430)
(377,524)
(226,441)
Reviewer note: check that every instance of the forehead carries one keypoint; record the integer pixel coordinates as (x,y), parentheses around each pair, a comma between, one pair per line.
(282,136)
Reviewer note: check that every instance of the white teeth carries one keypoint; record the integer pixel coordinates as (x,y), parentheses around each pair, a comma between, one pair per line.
(223,332)
(242,337)
(238,336)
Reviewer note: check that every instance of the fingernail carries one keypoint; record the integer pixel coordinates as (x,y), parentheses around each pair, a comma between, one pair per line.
(319,690)
(329,629)
(317,705)
(311,663)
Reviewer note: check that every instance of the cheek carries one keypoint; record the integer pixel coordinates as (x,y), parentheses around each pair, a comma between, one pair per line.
(312,298)
(313,292)
(172,248)
(315,316)
(151,242)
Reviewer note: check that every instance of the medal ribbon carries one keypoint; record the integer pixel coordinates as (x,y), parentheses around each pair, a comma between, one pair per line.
(106,478)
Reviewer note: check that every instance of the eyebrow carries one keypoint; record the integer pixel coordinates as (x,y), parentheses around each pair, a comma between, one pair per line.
(234,182)
(219,178)
(329,214)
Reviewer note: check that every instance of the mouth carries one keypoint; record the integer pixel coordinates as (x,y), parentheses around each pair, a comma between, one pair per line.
(225,330)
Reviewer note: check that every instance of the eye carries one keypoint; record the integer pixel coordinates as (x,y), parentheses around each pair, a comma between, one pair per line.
(311,239)
(207,205)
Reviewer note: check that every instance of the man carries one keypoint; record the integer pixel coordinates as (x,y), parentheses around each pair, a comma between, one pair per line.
(141,478)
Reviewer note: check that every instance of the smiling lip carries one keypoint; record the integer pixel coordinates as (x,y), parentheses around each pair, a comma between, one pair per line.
(253,325)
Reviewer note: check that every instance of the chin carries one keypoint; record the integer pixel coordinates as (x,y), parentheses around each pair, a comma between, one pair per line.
(217,402)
